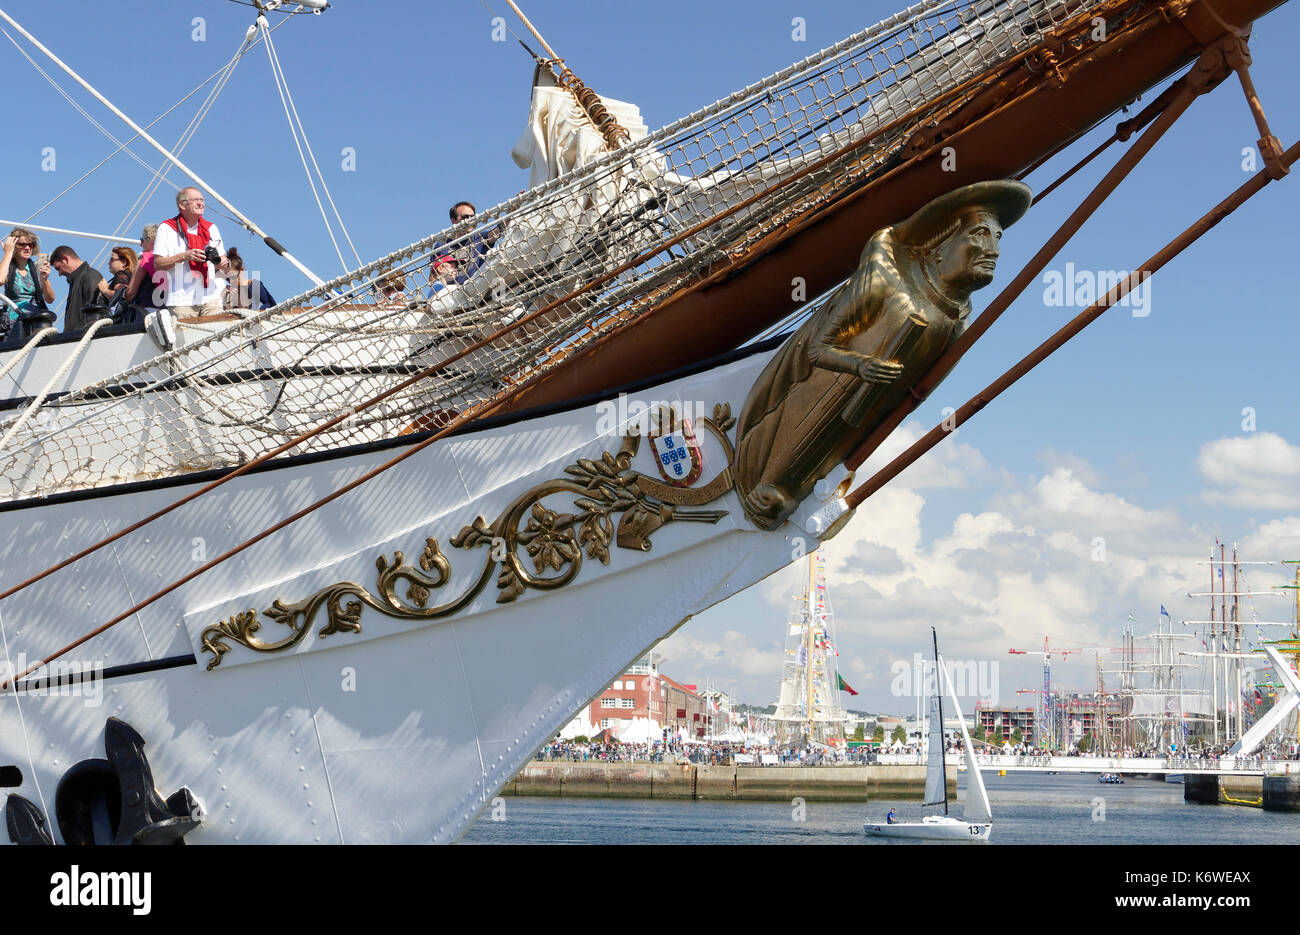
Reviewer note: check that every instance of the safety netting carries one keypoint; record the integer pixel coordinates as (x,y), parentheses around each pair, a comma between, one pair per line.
(600,238)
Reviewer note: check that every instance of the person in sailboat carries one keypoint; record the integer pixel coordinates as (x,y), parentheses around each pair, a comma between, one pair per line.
(889,819)
(862,350)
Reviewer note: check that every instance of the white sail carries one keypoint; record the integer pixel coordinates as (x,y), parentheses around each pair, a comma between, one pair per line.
(977,799)
(935,779)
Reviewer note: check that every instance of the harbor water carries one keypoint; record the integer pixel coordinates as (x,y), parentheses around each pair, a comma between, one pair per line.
(1028,808)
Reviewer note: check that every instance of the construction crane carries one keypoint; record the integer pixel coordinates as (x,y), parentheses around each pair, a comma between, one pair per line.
(1048,718)
(1047,708)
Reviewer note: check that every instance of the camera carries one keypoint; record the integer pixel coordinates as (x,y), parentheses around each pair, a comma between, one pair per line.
(211,255)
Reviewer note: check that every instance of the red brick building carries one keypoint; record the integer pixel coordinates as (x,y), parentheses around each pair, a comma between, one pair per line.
(644,692)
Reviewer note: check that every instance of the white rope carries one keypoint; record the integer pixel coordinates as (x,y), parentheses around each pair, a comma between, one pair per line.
(67,97)
(164,168)
(123,146)
(26,349)
(305,142)
(281,86)
(729,174)
(82,345)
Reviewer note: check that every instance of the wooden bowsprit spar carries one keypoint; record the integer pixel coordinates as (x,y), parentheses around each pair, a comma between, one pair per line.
(1229,54)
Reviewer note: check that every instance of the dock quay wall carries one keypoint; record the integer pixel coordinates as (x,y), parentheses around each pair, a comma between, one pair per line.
(1271,793)
(745,783)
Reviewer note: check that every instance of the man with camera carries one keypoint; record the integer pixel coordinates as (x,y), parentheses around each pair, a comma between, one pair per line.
(190,251)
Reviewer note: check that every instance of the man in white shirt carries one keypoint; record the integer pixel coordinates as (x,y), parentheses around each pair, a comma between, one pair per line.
(181,250)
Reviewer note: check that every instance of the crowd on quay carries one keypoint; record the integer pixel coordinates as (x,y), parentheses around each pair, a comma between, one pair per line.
(1269,752)
(182,265)
(701,753)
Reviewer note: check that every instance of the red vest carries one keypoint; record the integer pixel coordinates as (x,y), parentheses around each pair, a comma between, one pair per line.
(193,241)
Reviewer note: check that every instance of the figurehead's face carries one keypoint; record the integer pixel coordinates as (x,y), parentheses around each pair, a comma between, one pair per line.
(968,259)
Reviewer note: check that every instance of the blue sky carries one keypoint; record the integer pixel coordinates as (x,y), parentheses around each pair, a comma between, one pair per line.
(1133,433)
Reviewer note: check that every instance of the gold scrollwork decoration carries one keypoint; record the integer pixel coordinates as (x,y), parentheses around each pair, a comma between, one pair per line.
(612,503)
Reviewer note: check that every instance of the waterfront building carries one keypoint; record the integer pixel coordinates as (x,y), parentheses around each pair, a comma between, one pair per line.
(643,693)
(1006,719)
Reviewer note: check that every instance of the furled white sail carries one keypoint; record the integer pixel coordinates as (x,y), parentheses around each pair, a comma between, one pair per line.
(977,799)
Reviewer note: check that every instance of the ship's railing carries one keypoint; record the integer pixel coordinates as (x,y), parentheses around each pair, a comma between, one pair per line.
(557,265)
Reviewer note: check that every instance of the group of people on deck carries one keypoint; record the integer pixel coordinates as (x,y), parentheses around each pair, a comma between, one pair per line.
(183,265)
(451,264)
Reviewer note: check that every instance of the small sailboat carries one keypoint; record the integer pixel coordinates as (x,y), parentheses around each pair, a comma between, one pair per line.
(977,824)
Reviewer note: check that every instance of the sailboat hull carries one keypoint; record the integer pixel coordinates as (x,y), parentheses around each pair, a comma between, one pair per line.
(933,829)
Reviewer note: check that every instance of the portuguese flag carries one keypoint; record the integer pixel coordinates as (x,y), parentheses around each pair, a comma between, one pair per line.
(844,686)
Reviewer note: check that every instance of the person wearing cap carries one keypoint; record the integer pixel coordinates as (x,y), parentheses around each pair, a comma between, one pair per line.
(863,349)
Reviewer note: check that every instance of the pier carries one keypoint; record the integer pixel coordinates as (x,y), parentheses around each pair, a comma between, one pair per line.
(742,783)
(1187,766)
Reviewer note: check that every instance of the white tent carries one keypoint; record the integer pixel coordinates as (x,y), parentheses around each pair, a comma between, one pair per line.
(640,730)
(578,727)
(734,735)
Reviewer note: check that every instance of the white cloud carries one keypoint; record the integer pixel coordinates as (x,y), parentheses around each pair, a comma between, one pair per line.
(687,653)
(949,464)
(1258,471)
(1054,554)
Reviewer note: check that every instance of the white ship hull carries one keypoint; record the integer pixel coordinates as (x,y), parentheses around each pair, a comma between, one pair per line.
(403,731)
(934,828)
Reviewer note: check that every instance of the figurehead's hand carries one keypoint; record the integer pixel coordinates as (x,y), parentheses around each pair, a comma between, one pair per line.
(875,370)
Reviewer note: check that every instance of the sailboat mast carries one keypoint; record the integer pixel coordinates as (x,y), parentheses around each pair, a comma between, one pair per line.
(938,691)
(808,640)
(1214,658)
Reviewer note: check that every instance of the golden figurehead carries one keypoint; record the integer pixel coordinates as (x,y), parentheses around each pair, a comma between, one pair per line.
(864,348)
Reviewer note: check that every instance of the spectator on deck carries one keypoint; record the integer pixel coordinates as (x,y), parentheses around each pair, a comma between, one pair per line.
(154,291)
(26,276)
(240,289)
(190,251)
(456,262)
(122,264)
(84,287)
(392,288)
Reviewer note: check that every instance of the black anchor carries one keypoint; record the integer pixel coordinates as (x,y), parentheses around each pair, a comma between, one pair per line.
(137,814)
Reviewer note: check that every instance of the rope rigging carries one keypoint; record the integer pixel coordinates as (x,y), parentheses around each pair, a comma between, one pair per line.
(296,129)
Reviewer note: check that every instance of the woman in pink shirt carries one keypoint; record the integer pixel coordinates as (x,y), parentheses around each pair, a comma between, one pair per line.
(155,296)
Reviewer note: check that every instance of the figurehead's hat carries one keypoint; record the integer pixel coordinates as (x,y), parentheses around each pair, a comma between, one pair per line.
(1006,199)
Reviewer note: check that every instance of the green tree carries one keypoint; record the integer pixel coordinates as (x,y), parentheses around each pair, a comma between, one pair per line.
(1085,743)
(878,735)
(998,740)
(978,732)
(1017,735)
(899,734)
(860,733)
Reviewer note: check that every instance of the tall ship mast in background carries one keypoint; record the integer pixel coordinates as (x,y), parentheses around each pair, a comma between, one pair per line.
(808,708)
(1238,696)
